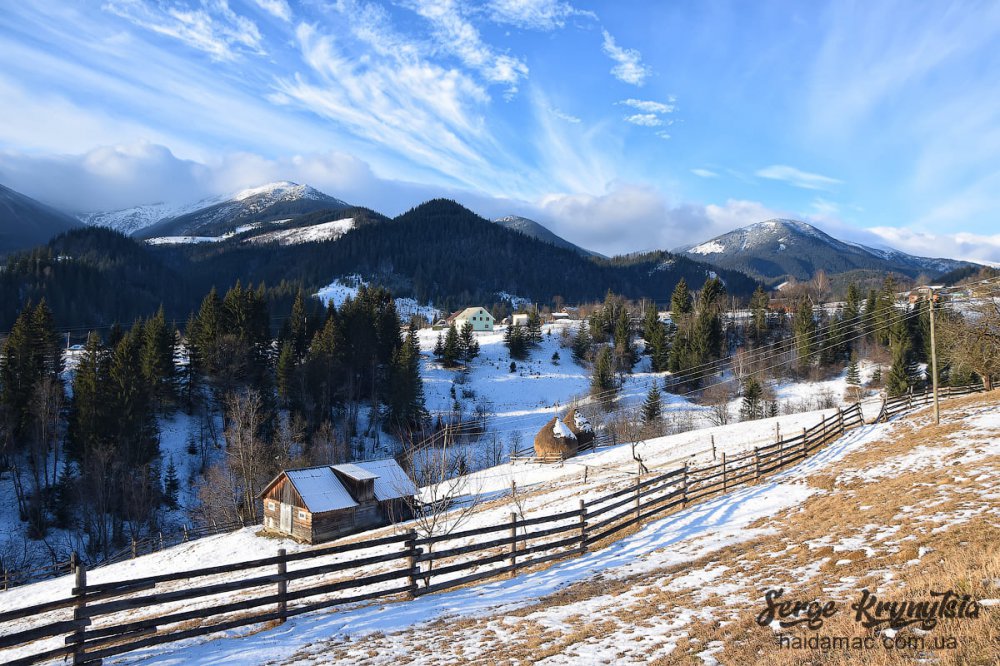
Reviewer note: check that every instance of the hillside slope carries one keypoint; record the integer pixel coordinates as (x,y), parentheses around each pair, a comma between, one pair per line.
(25,223)
(535,230)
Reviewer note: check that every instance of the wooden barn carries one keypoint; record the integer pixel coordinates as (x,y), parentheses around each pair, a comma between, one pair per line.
(317,504)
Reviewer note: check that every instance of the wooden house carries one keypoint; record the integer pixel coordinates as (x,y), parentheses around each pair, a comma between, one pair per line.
(317,504)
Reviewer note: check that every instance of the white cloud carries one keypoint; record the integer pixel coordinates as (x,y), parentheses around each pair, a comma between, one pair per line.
(534,14)
(704,173)
(644,119)
(213,28)
(663,135)
(648,106)
(629,68)
(454,34)
(962,245)
(565,116)
(797,177)
(277,8)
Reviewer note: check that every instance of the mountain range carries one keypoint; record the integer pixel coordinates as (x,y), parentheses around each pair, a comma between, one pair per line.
(775,250)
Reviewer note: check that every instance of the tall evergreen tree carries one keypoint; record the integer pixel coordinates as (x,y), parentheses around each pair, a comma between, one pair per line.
(652,408)
(582,343)
(88,423)
(406,391)
(758,313)
(681,302)
(158,357)
(467,343)
(602,382)
(452,348)
(752,407)
(804,329)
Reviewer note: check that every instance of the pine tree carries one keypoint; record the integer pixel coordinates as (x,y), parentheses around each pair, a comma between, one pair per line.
(452,348)
(439,347)
(804,329)
(753,392)
(88,417)
(758,312)
(681,302)
(406,389)
(853,379)
(581,343)
(171,486)
(467,343)
(900,377)
(516,339)
(534,327)
(602,382)
(130,409)
(298,327)
(650,323)
(285,371)
(652,408)
(659,349)
(625,355)
(158,357)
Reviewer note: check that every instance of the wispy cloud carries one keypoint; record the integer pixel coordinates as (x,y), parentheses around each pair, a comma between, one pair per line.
(649,106)
(277,8)
(565,116)
(704,173)
(542,15)
(644,119)
(629,68)
(797,177)
(456,35)
(213,27)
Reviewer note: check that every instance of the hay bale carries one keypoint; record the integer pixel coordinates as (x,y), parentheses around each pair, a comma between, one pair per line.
(555,439)
(580,426)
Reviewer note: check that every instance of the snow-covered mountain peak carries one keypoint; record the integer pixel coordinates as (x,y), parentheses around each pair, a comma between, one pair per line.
(282,190)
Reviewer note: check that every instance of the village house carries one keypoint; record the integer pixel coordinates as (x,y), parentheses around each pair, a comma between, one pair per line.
(519,319)
(317,504)
(479,317)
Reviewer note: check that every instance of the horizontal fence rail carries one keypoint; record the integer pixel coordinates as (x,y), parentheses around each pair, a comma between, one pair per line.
(101,620)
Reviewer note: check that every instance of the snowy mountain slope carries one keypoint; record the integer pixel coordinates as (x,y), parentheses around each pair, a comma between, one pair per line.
(25,223)
(535,230)
(778,249)
(216,216)
(312,234)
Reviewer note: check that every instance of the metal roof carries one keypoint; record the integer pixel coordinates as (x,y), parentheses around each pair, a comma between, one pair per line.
(320,489)
(354,471)
(391,482)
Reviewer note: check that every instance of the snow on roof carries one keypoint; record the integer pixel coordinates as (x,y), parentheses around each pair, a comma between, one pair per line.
(470,312)
(581,422)
(560,429)
(354,471)
(391,482)
(320,489)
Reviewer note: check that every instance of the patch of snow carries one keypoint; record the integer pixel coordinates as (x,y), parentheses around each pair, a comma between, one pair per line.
(312,234)
(711,247)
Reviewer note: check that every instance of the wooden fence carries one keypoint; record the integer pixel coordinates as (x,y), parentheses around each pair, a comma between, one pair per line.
(111,618)
(909,400)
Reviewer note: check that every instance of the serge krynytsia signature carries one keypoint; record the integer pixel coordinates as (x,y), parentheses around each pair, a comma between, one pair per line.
(869,611)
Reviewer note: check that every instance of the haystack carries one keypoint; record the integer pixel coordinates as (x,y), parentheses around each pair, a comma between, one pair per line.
(580,426)
(555,439)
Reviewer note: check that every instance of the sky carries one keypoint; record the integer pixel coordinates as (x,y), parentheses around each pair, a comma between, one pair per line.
(623,126)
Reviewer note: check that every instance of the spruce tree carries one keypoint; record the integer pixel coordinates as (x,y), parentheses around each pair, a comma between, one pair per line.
(88,416)
(652,408)
(171,486)
(602,382)
(582,343)
(467,343)
(534,327)
(439,347)
(285,371)
(804,329)
(753,393)
(853,379)
(452,348)
(406,389)
(758,312)
(158,357)
(681,302)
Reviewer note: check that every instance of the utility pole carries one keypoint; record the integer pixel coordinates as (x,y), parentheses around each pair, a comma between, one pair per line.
(934,370)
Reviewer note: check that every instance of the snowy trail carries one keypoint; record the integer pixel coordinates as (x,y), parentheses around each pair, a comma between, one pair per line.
(681,537)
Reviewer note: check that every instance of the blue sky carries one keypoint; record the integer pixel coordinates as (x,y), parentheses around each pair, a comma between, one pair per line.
(623,126)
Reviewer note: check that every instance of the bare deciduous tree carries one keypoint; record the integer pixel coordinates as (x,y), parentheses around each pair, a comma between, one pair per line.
(972,343)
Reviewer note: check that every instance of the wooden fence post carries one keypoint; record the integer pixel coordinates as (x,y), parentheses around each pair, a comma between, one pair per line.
(513,544)
(713,447)
(840,420)
(185,533)
(756,464)
(412,552)
(161,540)
(725,486)
(638,480)
(684,480)
(282,585)
(805,444)
(583,527)
(79,607)
(135,548)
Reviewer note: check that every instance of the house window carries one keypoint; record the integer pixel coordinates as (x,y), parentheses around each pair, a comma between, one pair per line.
(302,515)
(270,506)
